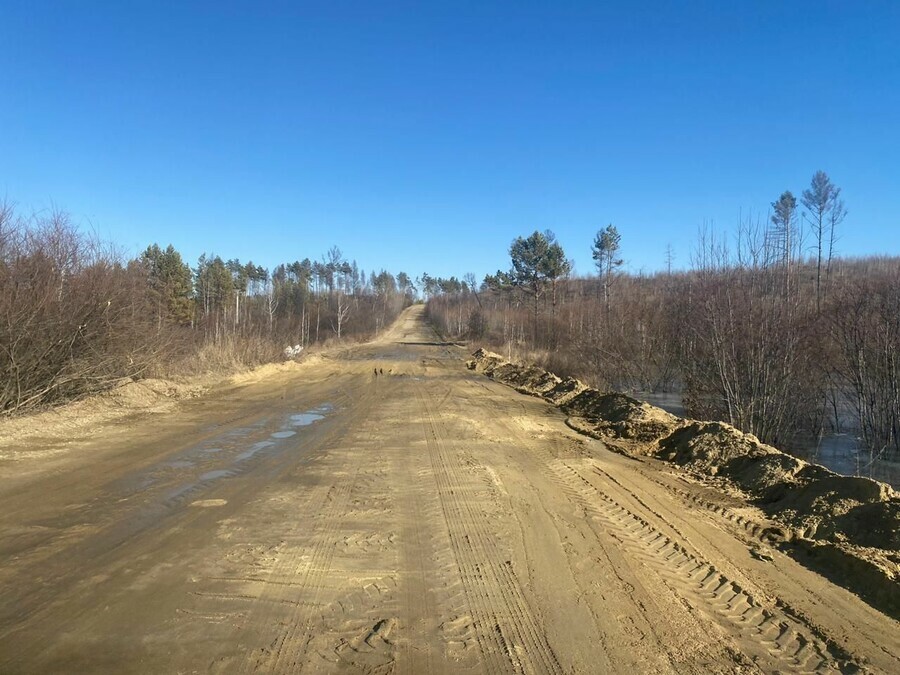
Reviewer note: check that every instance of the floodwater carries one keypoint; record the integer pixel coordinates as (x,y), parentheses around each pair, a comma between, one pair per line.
(845,454)
(842,453)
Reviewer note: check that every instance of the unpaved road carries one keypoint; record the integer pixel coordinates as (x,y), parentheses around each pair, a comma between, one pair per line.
(424,520)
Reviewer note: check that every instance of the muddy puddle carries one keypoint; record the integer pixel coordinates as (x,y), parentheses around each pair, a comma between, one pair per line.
(226,455)
(304,419)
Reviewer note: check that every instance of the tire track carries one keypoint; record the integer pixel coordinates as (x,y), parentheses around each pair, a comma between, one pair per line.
(773,639)
(509,635)
(418,607)
(286,651)
(760,530)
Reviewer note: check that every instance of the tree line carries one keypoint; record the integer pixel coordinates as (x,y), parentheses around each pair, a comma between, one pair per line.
(76,315)
(768,329)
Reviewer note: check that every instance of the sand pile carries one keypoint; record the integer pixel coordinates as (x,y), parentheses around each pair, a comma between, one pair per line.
(80,418)
(813,501)
(858,518)
(149,392)
(622,418)
(619,420)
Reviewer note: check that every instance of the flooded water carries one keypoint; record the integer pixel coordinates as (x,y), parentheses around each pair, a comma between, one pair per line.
(668,401)
(841,453)
(845,454)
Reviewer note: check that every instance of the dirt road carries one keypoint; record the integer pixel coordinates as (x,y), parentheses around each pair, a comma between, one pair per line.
(423,520)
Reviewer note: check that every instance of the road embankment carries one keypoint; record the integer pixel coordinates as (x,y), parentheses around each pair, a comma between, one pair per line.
(845,527)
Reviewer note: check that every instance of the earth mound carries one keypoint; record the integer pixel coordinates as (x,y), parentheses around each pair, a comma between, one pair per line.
(858,518)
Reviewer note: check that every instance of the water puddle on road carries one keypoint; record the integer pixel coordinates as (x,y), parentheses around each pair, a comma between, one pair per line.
(304,419)
(214,475)
(256,447)
(227,455)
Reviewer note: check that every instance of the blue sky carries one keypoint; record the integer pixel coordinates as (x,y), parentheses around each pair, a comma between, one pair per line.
(426,136)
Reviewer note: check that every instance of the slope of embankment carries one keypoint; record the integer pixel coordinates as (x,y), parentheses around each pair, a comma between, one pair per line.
(846,527)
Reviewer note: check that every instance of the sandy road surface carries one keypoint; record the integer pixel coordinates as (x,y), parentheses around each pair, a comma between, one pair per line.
(424,520)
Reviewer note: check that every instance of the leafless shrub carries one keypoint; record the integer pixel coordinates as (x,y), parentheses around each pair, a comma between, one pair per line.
(865,323)
(71,323)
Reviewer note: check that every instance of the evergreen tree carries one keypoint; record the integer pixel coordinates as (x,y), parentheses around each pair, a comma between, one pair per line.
(783,231)
(170,284)
(826,211)
(605,251)
(537,262)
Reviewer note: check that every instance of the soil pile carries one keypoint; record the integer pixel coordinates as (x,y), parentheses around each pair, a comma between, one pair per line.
(60,426)
(150,392)
(621,418)
(813,501)
(856,519)
(622,422)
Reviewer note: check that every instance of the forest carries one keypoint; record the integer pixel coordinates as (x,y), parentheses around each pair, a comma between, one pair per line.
(77,316)
(769,329)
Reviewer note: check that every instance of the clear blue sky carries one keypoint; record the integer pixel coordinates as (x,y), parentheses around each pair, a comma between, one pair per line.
(425,136)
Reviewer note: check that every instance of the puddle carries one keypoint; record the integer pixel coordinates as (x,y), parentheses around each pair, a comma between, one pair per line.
(179,492)
(256,447)
(215,475)
(204,465)
(305,419)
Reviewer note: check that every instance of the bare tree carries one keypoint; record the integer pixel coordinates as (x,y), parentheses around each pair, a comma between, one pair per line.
(669,258)
(343,311)
(271,305)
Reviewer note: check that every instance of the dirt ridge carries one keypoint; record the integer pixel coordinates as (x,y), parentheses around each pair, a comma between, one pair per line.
(851,525)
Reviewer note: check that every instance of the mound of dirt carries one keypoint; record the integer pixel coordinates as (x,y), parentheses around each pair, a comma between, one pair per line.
(612,417)
(565,391)
(811,500)
(267,370)
(876,525)
(621,417)
(717,448)
(485,362)
(149,393)
(533,380)
(80,418)
(857,515)
(843,509)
